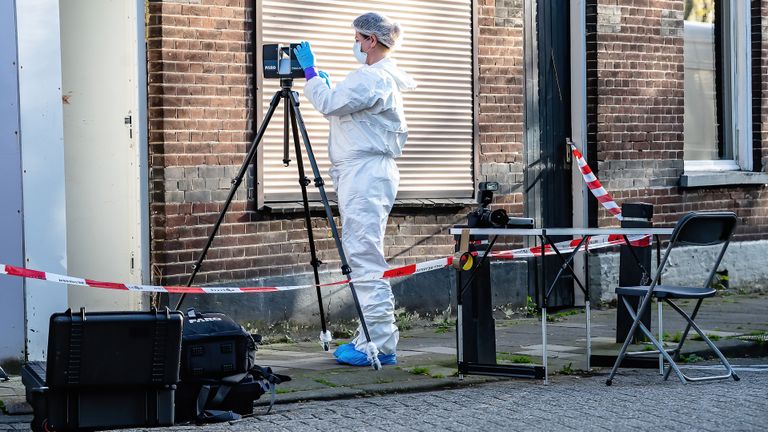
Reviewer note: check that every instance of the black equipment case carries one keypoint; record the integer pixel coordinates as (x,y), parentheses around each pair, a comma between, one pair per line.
(106,370)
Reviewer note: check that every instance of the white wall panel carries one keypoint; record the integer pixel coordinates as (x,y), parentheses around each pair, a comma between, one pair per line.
(42,143)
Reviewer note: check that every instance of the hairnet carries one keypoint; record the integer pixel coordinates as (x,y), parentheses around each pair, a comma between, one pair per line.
(386,30)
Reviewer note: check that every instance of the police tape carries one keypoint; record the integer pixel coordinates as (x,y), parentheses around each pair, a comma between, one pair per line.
(594,185)
(592,243)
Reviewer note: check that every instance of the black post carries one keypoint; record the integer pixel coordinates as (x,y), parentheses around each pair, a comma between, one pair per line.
(478,325)
(634,269)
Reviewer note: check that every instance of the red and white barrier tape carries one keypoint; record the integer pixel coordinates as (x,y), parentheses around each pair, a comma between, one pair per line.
(594,242)
(594,185)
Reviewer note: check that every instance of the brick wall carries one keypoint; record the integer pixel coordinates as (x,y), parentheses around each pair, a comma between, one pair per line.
(635,114)
(200,122)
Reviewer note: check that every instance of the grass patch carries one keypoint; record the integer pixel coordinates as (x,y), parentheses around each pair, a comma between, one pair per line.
(420,370)
(383,381)
(325,382)
(673,338)
(284,391)
(513,358)
(649,348)
(438,376)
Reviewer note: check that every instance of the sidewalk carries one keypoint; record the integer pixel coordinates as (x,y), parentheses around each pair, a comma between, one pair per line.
(427,354)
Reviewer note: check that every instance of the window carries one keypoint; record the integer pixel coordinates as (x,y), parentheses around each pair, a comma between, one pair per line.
(717,72)
(437,52)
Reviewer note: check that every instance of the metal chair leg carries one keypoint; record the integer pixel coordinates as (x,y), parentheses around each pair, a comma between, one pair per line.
(685,333)
(622,353)
(711,345)
(656,343)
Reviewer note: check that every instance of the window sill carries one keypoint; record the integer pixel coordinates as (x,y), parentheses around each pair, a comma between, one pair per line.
(694,179)
(400,204)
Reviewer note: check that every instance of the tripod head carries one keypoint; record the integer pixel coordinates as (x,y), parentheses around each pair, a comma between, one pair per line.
(286,83)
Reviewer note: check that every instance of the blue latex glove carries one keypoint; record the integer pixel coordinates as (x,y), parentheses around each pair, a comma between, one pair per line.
(325,77)
(304,55)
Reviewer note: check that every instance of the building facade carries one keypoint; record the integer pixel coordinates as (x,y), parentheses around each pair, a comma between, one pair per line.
(667,99)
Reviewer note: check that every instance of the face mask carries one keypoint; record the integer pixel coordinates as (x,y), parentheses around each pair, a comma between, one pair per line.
(360,56)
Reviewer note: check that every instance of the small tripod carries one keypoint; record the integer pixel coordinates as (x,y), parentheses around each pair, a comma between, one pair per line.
(292,116)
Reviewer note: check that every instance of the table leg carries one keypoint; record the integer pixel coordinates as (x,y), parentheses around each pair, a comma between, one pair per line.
(589,336)
(544,344)
(587,303)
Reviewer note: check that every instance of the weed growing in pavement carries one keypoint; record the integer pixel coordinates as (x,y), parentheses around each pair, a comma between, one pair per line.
(649,348)
(277,339)
(445,326)
(404,319)
(383,381)
(531,309)
(420,370)
(712,337)
(690,358)
(283,391)
(342,333)
(673,338)
(513,358)
(566,369)
(562,314)
(325,382)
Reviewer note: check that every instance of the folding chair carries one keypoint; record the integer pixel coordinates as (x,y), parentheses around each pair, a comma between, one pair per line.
(699,229)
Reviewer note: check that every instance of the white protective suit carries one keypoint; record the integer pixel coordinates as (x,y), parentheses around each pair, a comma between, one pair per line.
(367,132)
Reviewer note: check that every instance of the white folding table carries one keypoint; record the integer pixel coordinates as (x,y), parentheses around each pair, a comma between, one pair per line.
(545,234)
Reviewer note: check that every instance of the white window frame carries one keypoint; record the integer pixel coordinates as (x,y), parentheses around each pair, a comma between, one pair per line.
(737,92)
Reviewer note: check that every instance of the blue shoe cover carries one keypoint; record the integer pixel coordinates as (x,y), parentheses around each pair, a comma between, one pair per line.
(347,354)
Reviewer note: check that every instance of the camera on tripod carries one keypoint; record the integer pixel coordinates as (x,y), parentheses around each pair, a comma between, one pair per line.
(280,61)
(483,217)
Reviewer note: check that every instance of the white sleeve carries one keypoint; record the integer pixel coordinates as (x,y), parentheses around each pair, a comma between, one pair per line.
(351,95)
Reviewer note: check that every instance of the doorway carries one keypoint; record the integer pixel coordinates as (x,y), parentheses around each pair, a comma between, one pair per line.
(103,95)
(548,124)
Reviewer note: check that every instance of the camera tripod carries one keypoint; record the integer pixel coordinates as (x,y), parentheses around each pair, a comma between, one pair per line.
(292,116)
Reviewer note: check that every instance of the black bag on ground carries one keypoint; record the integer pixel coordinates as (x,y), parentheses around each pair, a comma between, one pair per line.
(219,377)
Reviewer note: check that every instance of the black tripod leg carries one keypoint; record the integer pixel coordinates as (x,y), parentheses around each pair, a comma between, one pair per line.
(325,336)
(345,269)
(235,184)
